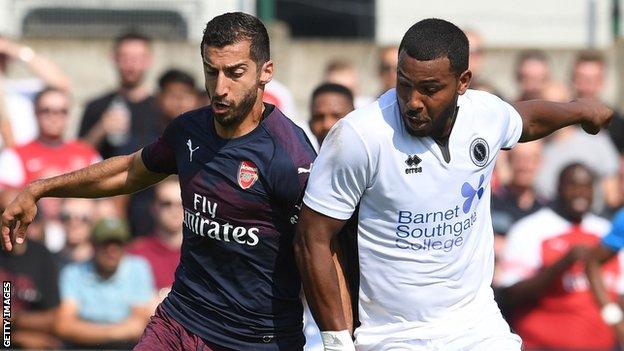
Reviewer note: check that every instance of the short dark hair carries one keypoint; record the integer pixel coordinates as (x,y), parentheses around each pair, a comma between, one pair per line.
(335,89)
(233,27)
(531,54)
(565,171)
(130,36)
(593,56)
(176,76)
(433,38)
(45,91)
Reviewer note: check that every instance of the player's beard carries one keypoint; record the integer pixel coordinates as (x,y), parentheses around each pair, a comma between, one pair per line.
(238,113)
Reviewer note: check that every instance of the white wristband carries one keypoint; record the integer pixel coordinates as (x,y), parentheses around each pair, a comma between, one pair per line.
(612,313)
(337,341)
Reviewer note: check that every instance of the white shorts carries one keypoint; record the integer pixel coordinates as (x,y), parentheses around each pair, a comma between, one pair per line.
(491,334)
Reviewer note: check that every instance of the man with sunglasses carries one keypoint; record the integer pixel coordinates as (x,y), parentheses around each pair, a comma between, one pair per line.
(49,154)
(46,156)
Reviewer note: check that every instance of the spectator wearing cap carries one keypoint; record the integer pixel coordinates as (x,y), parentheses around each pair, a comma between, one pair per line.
(105,302)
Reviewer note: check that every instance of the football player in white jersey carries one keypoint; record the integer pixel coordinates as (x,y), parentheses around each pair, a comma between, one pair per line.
(418,163)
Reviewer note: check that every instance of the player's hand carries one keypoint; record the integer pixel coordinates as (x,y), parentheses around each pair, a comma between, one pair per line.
(596,115)
(16,219)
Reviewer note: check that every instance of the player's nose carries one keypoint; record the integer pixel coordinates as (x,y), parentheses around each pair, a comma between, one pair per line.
(221,85)
(328,123)
(415,101)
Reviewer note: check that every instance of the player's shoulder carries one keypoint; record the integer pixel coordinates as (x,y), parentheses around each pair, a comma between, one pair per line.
(28,147)
(132,263)
(480,97)
(285,133)
(79,146)
(76,270)
(536,224)
(618,218)
(483,102)
(596,224)
(375,120)
(193,116)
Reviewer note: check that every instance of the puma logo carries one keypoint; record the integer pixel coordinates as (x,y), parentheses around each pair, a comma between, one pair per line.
(191,150)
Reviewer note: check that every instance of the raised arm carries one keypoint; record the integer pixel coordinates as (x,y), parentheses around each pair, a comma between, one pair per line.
(114,176)
(540,118)
(49,72)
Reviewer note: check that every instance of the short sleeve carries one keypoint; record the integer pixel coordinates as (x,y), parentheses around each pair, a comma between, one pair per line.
(341,173)
(513,126)
(69,282)
(615,238)
(143,283)
(159,156)
(289,176)
(12,171)
(521,256)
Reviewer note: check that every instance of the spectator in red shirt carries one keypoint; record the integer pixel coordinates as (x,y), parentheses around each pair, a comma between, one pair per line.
(48,155)
(162,249)
(543,272)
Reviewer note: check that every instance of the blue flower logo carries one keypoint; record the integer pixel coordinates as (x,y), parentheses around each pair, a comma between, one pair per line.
(469,193)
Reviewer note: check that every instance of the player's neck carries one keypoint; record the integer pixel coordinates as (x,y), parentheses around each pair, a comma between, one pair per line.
(246,125)
(567,215)
(134,94)
(50,141)
(442,135)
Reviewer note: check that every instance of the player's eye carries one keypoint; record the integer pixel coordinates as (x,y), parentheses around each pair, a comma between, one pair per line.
(212,72)
(429,90)
(405,83)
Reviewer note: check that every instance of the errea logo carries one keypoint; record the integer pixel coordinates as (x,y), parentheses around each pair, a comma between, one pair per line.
(412,163)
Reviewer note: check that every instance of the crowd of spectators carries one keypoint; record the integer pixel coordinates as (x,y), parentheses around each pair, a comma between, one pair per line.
(93,271)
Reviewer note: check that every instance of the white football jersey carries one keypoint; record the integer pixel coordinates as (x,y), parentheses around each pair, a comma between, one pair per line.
(425,236)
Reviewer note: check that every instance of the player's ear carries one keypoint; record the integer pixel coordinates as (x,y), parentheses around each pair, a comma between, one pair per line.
(464,82)
(266,72)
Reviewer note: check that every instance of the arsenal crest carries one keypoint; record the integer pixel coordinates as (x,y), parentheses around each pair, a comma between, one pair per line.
(247,174)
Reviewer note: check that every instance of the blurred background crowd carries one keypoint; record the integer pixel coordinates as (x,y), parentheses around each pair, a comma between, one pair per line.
(88,81)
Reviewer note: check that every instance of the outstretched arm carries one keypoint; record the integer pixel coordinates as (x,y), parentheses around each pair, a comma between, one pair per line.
(541,118)
(114,176)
